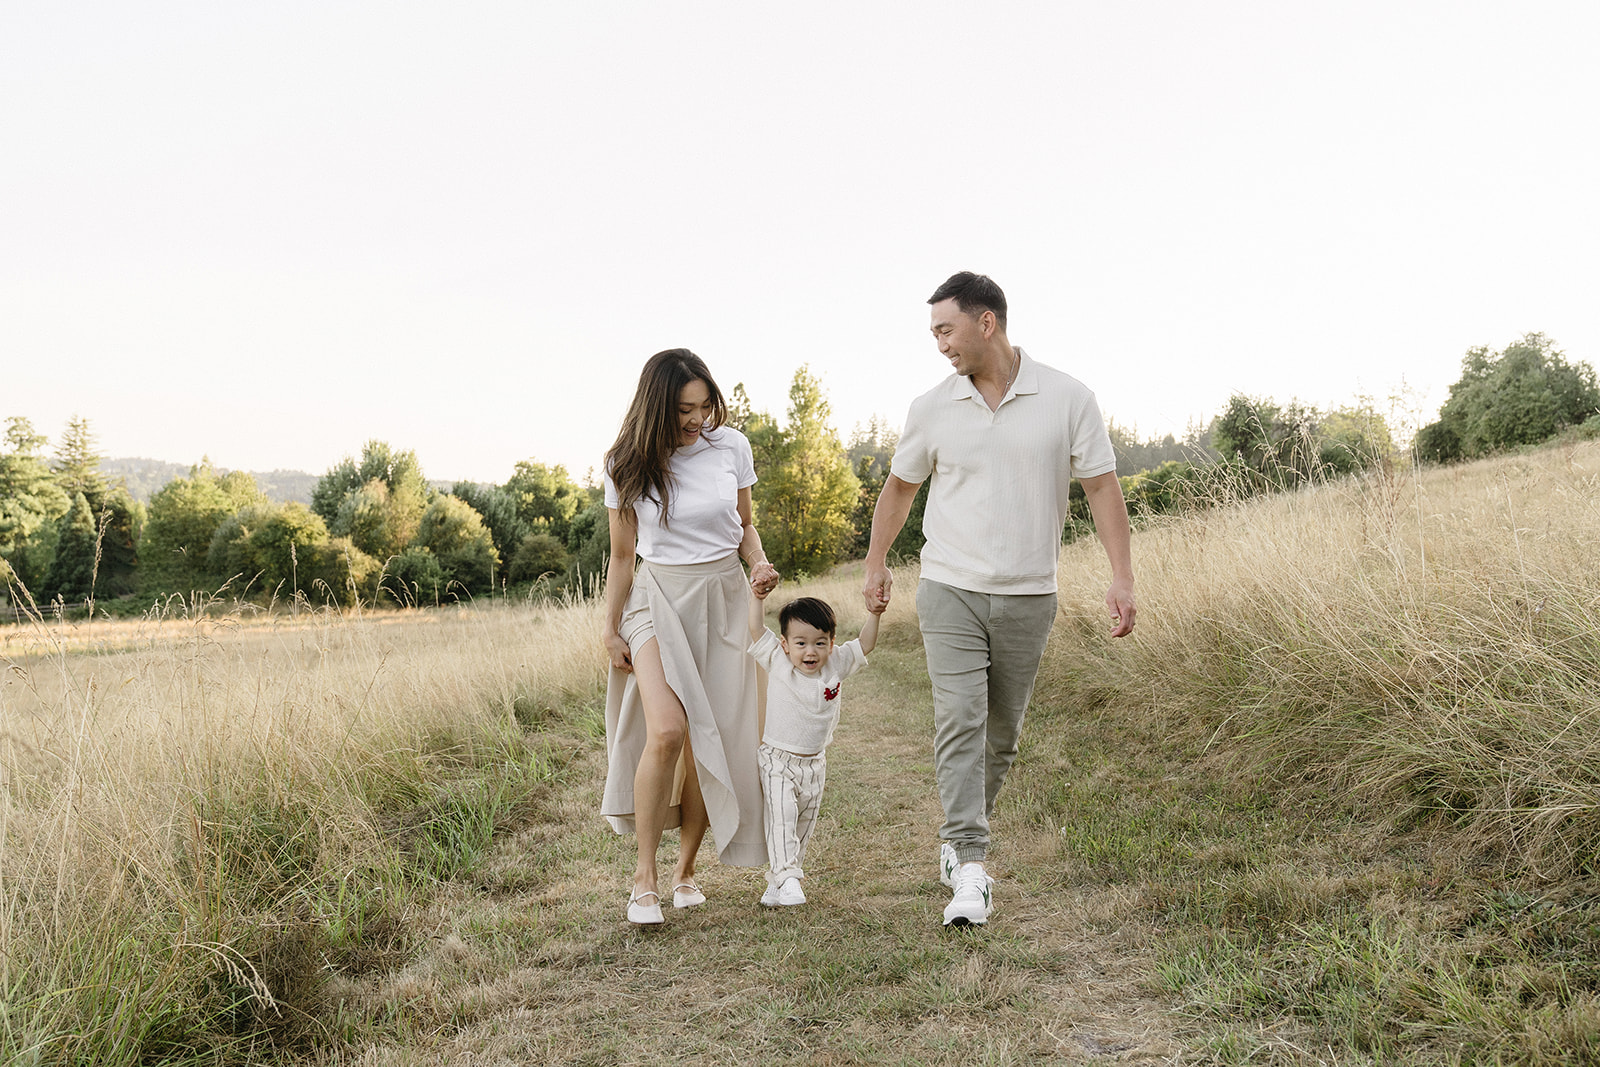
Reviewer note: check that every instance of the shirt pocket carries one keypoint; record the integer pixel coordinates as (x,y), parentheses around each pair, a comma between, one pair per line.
(727,486)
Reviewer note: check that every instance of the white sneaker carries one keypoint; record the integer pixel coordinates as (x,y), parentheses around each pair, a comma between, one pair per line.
(947,864)
(969,906)
(785,895)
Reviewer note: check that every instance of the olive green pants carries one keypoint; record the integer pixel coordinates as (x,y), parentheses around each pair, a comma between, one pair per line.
(983,654)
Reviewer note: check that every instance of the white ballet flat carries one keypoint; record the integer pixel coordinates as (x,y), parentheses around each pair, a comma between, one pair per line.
(641,914)
(687,895)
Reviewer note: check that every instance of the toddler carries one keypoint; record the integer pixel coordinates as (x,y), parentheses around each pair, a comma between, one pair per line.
(805,672)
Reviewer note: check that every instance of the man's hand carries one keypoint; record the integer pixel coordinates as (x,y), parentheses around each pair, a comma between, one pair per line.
(888,516)
(876,591)
(1119,602)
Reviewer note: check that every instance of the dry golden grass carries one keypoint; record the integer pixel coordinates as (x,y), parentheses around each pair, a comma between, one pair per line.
(1432,640)
(173,788)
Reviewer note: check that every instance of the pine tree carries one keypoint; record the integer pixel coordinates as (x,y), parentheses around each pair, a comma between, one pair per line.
(74,570)
(77,466)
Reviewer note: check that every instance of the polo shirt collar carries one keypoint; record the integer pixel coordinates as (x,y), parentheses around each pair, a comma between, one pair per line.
(1027,381)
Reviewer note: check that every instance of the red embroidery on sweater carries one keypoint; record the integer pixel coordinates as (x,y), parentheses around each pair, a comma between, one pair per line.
(830,694)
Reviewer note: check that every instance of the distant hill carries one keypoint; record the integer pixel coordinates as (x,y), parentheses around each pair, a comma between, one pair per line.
(143,477)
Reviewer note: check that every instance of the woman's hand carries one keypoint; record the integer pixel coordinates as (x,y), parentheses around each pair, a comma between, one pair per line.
(764,578)
(621,655)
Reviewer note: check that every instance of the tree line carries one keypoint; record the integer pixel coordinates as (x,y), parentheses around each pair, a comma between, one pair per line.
(377,531)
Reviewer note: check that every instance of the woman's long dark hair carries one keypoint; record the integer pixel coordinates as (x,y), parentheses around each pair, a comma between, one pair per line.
(637,462)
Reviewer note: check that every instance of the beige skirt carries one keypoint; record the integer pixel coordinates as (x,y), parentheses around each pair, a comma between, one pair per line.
(698,615)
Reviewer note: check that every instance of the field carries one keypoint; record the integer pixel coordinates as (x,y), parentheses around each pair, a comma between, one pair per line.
(1335,802)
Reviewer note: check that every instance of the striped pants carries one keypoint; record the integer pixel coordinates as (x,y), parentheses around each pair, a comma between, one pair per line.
(791,790)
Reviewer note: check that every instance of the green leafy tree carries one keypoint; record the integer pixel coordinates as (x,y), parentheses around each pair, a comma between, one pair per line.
(230,559)
(74,570)
(277,544)
(182,518)
(499,510)
(539,556)
(340,480)
(1438,442)
(1160,491)
(871,453)
(1354,439)
(375,521)
(31,503)
(384,521)
(1248,430)
(399,470)
(1524,394)
(268,549)
(456,536)
(807,493)
(546,498)
(740,412)
(1280,446)
(588,548)
(414,578)
(120,520)
(338,572)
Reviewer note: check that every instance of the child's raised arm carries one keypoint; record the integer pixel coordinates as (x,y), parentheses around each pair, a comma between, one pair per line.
(869,632)
(758,613)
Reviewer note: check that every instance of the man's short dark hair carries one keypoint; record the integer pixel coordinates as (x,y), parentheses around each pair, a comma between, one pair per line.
(974,294)
(809,610)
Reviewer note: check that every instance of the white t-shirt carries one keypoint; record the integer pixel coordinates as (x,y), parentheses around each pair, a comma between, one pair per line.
(802,709)
(998,501)
(704,520)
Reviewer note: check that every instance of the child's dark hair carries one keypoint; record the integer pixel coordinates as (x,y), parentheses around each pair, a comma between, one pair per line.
(809,610)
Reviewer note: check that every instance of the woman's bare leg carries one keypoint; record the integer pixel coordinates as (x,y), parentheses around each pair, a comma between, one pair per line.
(666,731)
(695,819)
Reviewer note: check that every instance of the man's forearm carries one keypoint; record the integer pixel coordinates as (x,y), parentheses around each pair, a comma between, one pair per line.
(1110,512)
(889,517)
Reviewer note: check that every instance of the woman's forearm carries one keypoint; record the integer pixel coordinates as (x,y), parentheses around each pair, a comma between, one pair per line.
(619,583)
(750,549)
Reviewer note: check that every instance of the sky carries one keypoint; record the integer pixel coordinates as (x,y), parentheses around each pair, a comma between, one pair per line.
(267,233)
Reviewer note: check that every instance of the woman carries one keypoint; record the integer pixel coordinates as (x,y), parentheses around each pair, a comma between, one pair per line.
(681,728)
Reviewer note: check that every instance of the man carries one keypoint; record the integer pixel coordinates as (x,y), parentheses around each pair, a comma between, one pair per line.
(1002,438)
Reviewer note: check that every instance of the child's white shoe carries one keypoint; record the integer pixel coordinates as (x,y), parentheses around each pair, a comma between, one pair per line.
(785,895)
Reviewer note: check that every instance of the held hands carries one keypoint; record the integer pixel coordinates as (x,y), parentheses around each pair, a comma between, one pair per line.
(764,578)
(876,590)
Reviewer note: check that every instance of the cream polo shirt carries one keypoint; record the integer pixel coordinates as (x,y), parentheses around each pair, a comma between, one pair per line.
(998,501)
(706,479)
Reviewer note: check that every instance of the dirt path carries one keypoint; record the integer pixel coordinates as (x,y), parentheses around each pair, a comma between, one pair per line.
(533,963)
